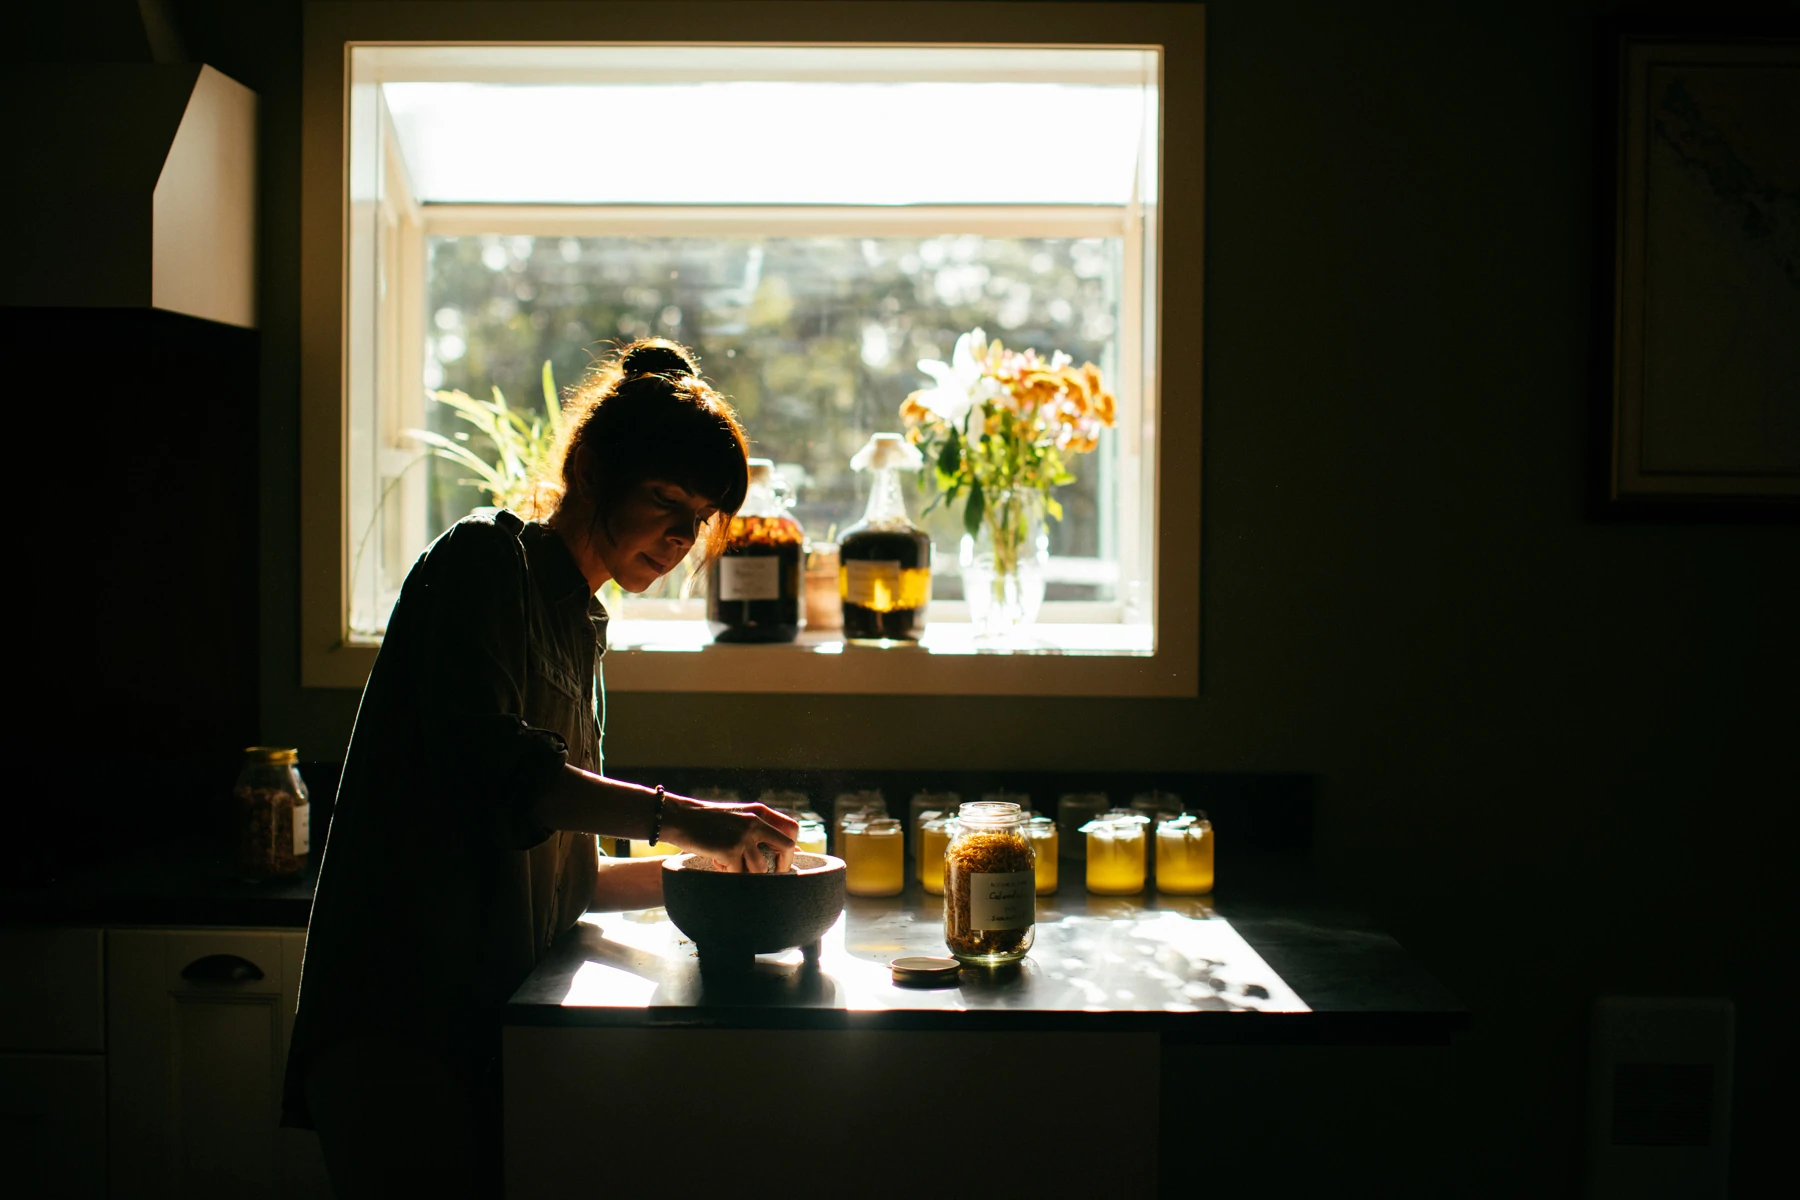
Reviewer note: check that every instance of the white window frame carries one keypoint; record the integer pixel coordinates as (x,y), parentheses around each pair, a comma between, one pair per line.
(340,434)
(385,353)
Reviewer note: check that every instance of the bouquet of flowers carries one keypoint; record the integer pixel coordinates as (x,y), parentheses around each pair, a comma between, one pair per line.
(1000,427)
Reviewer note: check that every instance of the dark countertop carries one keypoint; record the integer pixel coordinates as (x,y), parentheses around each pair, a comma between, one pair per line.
(1272,945)
(164,885)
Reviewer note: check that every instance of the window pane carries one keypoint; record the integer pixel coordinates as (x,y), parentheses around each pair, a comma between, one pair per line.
(815,340)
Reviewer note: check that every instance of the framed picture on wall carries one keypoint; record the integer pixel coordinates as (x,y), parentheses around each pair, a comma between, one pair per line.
(1705,403)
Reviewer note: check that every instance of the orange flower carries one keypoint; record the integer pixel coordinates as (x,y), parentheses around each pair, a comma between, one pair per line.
(1105,407)
(915,413)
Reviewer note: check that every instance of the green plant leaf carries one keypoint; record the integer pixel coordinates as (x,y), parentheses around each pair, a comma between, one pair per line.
(1053,507)
(949,460)
(508,445)
(552,403)
(491,480)
(973,510)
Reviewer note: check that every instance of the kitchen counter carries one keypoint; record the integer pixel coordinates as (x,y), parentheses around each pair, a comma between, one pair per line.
(176,884)
(1270,945)
(1147,1008)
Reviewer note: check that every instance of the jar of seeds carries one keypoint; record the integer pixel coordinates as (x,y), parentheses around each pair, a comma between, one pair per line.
(990,885)
(272,814)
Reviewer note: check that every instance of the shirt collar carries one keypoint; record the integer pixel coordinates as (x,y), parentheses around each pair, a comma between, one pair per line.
(560,580)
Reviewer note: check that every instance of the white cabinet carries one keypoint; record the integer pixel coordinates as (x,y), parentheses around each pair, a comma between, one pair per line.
(197,1025)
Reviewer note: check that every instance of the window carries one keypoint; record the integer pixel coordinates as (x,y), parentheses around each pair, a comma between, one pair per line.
(849,210)
(815,339)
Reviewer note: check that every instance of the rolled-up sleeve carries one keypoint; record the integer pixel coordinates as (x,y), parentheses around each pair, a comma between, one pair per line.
(488,760)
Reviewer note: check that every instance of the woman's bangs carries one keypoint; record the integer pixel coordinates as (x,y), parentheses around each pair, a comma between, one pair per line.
(713,465)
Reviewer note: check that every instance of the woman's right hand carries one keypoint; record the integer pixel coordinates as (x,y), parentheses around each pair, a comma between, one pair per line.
(732,835)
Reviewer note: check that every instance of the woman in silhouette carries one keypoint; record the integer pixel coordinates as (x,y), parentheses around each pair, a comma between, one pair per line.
(462,839)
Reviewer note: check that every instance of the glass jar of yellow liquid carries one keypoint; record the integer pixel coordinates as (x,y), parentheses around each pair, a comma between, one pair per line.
(1184,855)
(874,857)
(916,838)
(936,804)
(1041,831)
(847,806)
(1155,806)
(935,833)
(1115,854)
(812,833)
(645,849)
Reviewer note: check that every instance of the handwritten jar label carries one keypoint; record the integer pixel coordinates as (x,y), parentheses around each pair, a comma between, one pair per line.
(1007,901)
(750,577)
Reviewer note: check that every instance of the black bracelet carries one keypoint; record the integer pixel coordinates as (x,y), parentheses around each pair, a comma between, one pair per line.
(656,827)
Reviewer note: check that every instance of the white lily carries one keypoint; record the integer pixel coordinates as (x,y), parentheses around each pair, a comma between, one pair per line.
(960,382)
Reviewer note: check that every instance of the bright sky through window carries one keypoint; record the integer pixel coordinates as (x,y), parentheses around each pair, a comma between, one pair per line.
(758,142)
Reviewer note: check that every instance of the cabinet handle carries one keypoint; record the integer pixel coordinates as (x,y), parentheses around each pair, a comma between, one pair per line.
(222,968)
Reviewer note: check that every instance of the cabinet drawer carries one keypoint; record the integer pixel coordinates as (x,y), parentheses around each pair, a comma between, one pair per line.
(54,996)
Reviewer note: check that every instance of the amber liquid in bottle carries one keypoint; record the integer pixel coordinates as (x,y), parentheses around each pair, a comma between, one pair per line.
(884,569)
(753,588)
(884,579)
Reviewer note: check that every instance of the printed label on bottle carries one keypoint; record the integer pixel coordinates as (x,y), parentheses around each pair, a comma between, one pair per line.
(873,585)
(750,577)
(1007,901)
(302,834)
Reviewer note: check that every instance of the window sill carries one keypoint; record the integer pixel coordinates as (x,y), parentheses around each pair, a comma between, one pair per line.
(1052,659)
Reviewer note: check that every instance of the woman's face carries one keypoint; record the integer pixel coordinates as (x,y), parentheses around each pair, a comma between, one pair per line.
(652,528)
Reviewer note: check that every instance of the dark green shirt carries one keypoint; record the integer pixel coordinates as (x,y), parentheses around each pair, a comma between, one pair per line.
(437,890)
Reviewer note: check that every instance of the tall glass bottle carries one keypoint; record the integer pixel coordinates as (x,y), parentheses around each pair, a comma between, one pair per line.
(884,560)
(753,588)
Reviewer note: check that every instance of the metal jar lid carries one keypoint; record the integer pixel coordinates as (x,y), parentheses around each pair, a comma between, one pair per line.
(271,754)
(924,970)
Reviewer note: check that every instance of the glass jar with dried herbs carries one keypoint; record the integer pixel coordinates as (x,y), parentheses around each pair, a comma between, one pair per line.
(273,834)
(753,588)
(990,885)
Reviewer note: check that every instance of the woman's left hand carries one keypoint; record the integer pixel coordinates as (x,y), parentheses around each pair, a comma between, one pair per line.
(732,835)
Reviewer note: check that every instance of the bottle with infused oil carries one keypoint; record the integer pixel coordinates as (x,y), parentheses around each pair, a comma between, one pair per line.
(753,588)
(884,560)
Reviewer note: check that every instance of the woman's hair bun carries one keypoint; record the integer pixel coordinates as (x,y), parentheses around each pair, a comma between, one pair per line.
(657,356)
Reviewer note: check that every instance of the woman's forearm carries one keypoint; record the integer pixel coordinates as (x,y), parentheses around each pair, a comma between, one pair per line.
(583,802)
(628,883)
(737,836)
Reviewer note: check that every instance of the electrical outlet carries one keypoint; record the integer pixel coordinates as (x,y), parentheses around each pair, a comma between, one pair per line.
(1659,1097)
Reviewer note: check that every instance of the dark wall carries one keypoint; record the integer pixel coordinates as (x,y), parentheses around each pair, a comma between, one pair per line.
(1555,751)
(135,535)
(138,508)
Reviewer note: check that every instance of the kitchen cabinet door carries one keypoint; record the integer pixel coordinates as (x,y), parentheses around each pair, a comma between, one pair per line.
(53,1125)
(197,1025)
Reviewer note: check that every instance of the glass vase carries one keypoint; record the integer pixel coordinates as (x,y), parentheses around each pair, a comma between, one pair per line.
(1003,565)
